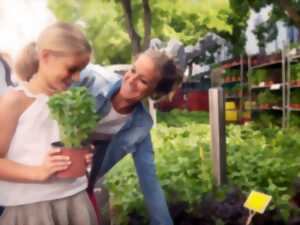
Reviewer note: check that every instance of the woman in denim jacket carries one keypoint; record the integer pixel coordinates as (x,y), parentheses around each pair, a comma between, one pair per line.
(125,124)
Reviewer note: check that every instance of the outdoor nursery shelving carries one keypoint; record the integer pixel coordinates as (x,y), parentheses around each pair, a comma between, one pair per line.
(263,87)
(235,87)
(293,88)
(267,88)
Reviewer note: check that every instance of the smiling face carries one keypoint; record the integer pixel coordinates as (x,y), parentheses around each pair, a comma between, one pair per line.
(59,71)
(141,80)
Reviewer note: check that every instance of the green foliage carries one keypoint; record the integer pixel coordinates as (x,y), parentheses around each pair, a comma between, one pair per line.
(267,119)
(266,31)
(75,112)
(294,119)
(178,118)
(295,71)
(102,26)
(187,21)
(256,160)
(257,76)
(268,97)
(231,72)
(295,96)
(237,18)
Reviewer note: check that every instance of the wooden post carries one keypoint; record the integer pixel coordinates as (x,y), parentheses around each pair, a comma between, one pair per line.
(218,139)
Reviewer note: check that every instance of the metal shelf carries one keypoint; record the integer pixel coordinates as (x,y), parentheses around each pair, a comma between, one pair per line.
(275,108)
(233,97)
(240,64)
(293,109)
(269,64)
(294,86)
(231,82)
(273,87)
(273,63)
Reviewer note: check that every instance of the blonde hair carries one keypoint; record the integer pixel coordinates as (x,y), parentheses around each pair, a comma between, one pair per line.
(59,37)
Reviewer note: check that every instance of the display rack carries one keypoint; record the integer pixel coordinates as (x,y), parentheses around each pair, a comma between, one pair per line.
(268,86)
(293,88)
(235,89)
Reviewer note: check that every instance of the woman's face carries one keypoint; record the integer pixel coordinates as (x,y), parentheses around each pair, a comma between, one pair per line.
(63,70)
(141,80)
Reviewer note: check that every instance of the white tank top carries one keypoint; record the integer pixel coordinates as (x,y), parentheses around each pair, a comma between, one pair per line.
(35,132)
(112,122)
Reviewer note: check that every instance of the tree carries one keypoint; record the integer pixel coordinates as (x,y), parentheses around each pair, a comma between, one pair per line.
(134,36)
(287,11)
(119,28)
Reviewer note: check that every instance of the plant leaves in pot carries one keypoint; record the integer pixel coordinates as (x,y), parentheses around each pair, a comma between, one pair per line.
(75,112)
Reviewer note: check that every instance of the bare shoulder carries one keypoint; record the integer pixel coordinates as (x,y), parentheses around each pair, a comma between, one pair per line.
(14,102)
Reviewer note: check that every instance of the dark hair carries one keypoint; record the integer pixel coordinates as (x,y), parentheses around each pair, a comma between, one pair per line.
(61,37)
(5,61)
(171,75)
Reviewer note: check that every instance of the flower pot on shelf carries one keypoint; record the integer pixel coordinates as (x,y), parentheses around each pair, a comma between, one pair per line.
(295,83)
(78,164)
(226,79)
(295,105)
(265,106)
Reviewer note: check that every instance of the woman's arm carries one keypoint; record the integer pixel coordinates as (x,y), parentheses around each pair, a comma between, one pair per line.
(153,194)
(12,106)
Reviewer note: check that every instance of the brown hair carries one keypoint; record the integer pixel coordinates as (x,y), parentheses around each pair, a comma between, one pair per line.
(171,75)
(60,37)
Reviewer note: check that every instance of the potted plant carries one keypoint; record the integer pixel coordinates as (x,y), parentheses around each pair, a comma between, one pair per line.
(295,99)
(267,99)
(75,112)
(295,74)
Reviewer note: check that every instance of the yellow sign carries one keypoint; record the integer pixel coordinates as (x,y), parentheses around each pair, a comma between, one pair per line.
(257,201)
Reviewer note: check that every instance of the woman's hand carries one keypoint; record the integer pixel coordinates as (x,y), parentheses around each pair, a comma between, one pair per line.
(53,162)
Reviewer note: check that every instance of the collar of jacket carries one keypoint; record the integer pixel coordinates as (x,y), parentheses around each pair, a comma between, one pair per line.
(135,129)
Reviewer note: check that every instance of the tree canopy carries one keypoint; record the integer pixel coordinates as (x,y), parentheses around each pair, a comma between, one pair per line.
(104,22)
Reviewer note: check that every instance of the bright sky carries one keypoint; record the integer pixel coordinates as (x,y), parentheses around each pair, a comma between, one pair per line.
(21,21)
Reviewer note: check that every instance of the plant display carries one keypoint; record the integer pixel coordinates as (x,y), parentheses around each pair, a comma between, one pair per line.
(179,118)
(75,112)
(268,97)
(295,71)
(257,76)
(267,119)
(231,75)
(295,97)
(295,119)
(256,159)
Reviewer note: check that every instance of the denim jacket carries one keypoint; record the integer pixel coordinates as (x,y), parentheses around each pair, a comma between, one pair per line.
(134,137)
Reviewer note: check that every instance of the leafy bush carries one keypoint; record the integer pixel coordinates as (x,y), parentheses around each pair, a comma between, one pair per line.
(179,118)
(257,76)
(295,119)
(268,97)
(267,119)
(75,112)
(295,71)
(231,72)
(295,96)
(256,159)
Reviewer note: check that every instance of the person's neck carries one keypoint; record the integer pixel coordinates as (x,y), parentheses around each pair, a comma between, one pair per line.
(122,105)
(39,86)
